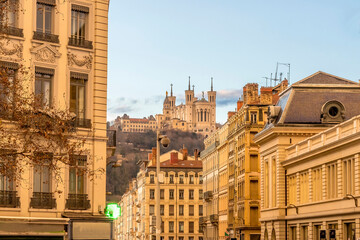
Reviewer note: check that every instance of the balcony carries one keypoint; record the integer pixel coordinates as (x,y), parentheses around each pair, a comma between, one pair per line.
(43,200)
(81,122)
(202,221)
(48,37)
(13,31)
(9,199)
(80,42)
(214,219)
(77,202)
(208,196)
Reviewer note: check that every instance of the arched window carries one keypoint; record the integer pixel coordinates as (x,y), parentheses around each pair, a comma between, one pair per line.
(205,116)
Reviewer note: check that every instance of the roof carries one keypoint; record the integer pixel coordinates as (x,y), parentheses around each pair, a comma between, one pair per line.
(304,100)
(165,161)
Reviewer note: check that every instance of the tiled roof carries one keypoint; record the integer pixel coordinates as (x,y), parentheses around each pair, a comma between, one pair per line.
(181,164)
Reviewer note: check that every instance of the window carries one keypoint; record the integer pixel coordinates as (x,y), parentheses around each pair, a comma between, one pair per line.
(316,232)
(293,233)
(152,194)
(151,210)
(191,210)
(191,179)
(273,182)
(253,117)
(171,178)
(152,178)
(304,233)
(254,216)
(181,238)
(304,187)
(181,194)
(292,189)
(44,18)
(349,176)
(201,194)
(191,227)
(162,210)
(191,194)
(181,210)
(162,228)
(317,184)
(77,95)
(171,227)
(42,173)
(331,175)
(181,179)
(200,210)
(7,187)
(181,227)
(162,193)
(200,179)
(79,22)
(266,190)
(43,86)
(9,16)
(77,175)
(349,233)
(171,193)
(171,210)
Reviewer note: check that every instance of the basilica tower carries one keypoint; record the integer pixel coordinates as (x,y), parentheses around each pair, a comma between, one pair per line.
(212,100)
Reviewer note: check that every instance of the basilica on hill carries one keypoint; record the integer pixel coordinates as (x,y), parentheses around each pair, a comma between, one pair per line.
(196,115)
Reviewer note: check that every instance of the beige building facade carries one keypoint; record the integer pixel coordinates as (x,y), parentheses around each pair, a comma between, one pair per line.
(64,46)
(181,199)
(291,207)
(140,125)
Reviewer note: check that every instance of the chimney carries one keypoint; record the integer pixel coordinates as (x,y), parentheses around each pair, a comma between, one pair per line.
(239,104)
(196,154)
(185,153)
(153,160)
(230,114)
(174,157)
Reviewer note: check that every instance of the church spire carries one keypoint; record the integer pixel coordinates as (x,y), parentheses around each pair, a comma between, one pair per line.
(212,88)
(189,83)
(171,93)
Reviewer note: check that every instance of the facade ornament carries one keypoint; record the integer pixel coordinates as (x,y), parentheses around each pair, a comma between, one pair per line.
(45,53)
(9,48)
(85,61)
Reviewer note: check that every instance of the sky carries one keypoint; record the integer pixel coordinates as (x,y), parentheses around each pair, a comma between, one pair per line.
(155,43)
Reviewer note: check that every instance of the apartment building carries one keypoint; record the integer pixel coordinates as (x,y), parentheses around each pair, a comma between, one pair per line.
(63,44)
(127,124)
(302,175)
(181,198)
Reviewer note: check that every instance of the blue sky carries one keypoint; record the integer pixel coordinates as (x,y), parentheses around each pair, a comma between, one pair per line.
(153,43)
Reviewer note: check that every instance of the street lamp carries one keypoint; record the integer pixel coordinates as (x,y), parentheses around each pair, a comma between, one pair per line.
(165,141)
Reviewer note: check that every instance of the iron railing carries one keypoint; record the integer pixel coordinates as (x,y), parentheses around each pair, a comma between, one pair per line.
(80,42)
(43,200)
(82,122)
(48,37)
(13,31)
(77,202)
(9,199)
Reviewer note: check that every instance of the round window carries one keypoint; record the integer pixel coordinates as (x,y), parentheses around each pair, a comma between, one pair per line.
(333,111)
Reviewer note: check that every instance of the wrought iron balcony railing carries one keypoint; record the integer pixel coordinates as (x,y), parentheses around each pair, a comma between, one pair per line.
(48,37)
(80,42)
(82,122)
(77,202)
(9,199)
(43,200)
(13,31)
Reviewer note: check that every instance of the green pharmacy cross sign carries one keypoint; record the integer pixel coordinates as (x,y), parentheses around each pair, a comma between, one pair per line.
(112,210)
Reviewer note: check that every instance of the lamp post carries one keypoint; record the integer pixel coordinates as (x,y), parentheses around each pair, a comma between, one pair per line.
(165,141)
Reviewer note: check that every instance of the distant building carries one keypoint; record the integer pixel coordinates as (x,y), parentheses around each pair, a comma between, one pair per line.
(140,125)
(196,115)
(181,202)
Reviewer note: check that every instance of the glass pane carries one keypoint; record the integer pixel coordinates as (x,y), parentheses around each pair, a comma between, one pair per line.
(82,102)
(73,99)
(47,91)
(37,179)
(39,18)
(46,179)
(72,180)
(80,183)
(82,26)
(48,13)
(73,24)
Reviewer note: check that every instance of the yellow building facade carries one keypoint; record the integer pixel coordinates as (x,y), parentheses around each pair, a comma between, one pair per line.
(64,46)
(181,198)
(301,174)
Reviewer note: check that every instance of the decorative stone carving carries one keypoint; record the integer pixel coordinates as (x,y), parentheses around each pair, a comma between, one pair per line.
(85,61)
(45,53)
(10,48)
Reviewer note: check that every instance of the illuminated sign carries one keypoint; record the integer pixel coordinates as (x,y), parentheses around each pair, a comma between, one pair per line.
(112,210)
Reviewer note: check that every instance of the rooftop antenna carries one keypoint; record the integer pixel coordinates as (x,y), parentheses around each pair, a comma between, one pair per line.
(266,80)
(288,65)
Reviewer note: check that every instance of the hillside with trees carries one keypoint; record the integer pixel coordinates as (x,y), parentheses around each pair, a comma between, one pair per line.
(133,147)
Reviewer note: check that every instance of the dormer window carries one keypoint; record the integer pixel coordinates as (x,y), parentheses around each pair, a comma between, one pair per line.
(332,112)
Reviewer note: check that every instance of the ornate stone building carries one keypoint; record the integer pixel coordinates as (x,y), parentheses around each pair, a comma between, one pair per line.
(196,115)
(140,125)
(305,178)
(64,46)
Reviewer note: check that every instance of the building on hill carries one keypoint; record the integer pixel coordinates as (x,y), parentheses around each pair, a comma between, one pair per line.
(309,152)
(231,168)
(196,115)
(180,199)
(139,125)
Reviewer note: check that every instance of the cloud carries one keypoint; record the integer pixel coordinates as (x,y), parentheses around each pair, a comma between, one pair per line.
(122,109)
(228,97)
